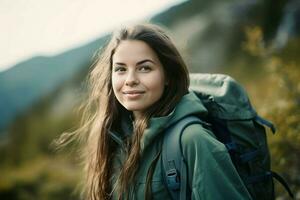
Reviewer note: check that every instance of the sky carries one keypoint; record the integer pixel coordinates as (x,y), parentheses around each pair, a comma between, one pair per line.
(49,27)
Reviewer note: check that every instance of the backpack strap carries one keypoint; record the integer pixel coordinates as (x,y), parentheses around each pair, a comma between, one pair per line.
(265,122)
(173,163)
(283,182)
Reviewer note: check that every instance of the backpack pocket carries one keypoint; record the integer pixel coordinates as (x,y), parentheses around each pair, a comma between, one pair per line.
(252,157)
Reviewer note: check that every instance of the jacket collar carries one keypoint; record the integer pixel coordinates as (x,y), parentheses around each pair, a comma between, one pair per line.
(190,104)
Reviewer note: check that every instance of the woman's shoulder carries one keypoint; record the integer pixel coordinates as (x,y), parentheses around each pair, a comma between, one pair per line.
(199,137)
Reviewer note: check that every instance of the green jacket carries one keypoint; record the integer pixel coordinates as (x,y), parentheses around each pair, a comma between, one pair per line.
(212,175)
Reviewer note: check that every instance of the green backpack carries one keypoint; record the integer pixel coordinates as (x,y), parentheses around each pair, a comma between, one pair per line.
(236,124)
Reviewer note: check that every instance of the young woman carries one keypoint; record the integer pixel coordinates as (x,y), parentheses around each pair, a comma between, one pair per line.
(139,87)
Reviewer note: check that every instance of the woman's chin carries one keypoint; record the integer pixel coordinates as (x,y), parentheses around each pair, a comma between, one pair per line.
(133,108)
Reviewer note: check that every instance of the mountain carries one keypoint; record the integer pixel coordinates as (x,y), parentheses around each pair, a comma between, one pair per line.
(25,83)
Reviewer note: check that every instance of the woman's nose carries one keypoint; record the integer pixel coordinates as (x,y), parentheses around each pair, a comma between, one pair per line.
(132,79)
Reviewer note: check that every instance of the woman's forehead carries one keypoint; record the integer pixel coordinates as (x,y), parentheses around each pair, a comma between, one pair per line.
(133,50)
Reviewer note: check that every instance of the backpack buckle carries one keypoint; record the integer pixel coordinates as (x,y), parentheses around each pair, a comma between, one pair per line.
(173,179)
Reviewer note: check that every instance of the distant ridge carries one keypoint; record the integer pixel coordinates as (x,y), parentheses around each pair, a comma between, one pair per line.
(27,81)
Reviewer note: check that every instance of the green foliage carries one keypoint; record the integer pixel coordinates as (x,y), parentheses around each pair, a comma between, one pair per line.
(285,112)
(39,178)
(30,167)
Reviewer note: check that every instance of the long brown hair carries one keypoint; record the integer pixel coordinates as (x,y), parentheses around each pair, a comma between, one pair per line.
(102,111)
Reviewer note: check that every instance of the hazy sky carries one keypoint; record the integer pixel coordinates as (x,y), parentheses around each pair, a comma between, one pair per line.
(49,27)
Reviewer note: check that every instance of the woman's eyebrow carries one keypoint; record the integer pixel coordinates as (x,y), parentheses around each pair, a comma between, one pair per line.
(138,63)
(143,61)
(119,63)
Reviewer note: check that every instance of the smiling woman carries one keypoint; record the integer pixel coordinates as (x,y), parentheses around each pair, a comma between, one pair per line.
(135,79)
(139,88)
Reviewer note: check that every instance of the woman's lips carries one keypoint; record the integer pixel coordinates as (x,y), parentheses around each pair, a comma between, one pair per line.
(133,94)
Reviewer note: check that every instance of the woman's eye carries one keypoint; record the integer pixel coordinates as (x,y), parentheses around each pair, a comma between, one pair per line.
(145,68)
(119,69)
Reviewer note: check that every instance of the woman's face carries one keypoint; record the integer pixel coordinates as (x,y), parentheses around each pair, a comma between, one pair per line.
(138,77)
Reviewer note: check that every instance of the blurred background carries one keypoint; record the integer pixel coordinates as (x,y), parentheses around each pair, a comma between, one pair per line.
(47,49)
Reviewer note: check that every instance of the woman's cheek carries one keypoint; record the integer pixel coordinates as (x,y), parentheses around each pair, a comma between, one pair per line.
(116,83)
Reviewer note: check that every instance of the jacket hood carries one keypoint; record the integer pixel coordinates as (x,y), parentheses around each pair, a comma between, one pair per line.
(190,104)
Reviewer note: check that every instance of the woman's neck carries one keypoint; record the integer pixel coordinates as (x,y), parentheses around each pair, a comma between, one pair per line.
(137,115)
